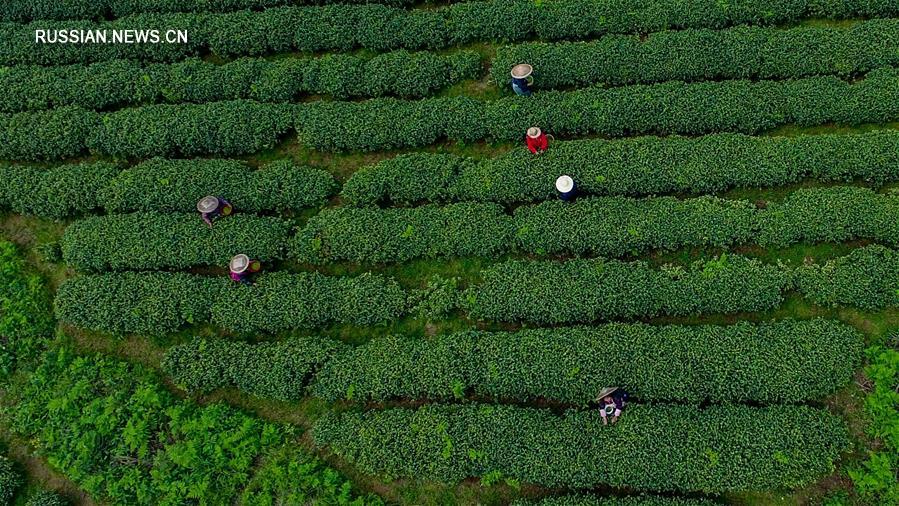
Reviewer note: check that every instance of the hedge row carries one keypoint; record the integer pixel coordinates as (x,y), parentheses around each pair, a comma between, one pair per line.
(278,370)
(242,127)
(635,500)
(218,128)
(379,27)
(638,166)
(583,291)
(785,361)
(160,185)
(123,83)
(159,302)
(664,448)
(28,10)
(397,235)
(667,108)
(694,55)
(156,241)
(866,278)
(605,226)
(118,433)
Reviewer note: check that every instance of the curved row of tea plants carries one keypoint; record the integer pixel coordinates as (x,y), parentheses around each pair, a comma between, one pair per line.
(604,226)
(784,361)
(634,500)
(381,28)
(158,184)
(664,448)
(637,166)
(776,362)
(695,55)
(243,127)
(115,431)
(151,241)
(667,108)
(121,83)
(584,291)
(157,303)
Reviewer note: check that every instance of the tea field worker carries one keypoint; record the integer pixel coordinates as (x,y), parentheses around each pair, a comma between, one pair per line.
(211,207)
(536,140)
(522,80)
(566,187)
(242,267)
(611,402)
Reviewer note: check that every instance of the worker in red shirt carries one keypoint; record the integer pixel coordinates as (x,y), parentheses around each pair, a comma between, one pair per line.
(537,141)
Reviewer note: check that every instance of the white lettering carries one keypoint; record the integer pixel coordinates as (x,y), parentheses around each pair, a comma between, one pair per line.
(176,36)
(40,36)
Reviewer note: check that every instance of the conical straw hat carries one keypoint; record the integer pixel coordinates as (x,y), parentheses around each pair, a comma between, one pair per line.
(522,71)
(239,263)
(208,204)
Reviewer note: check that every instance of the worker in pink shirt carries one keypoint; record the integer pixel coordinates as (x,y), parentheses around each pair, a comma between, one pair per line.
(242,268)
(212,207)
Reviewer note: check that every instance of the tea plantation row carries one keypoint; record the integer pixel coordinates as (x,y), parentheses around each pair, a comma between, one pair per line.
(598,226)
(161,185)
(381,28)
(776,362)
(637,166)
(121,83)
(663,448)
(540,292)
(243,127)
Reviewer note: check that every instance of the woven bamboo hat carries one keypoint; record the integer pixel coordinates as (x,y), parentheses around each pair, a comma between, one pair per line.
(534,132)
(239,263)
(604,392)
(208,204)
(522,71)
(564,184)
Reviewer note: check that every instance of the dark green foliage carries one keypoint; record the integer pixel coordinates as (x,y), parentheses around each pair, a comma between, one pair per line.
(396,235)
(45,135)
(47,498)
(120,83)
(161,185)
(667,108)
(638,166)
(54,192)
(786,361)
(218,128)
(282,301)
(866,278)
(635,500)
(147,303)
(665,448)
(574,291)
(278,370)
(154,241)
(10,481)
(159,302)
(379,27)
(290,476)
(25,311)
(698,55)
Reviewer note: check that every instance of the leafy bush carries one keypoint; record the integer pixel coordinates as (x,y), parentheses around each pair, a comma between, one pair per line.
(876,479)
(785,361)
(396,235)
(10,481)
(635,500)
(154,241)
(155,303)
(381,28)
(665,448)
(121,83)
(47,498)
(866,278)
(152,303)
(549,293)
(633,166)
(45,135)
(25,319)
(667,108)
(161,185)
(282,301)
(699,55)
(278,370)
